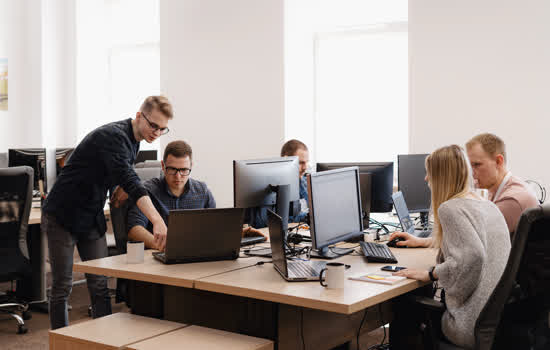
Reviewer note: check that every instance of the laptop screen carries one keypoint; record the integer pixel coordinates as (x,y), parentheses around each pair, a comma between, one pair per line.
(402,212)
(277,242)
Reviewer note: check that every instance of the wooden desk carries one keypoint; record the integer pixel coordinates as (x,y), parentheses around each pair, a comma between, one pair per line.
(256,300)
(151,270)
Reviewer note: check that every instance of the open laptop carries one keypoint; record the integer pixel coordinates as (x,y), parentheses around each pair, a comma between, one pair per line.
(202,235)
(407,225)
(290,270)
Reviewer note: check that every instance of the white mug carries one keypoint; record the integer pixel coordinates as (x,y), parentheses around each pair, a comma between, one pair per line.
(334,275)
(483,193)
(135,252)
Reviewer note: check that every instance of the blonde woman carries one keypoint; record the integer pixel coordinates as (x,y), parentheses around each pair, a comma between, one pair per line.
(473,241)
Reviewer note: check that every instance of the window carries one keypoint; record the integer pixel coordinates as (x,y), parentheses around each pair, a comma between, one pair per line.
(346,78)
(118,60)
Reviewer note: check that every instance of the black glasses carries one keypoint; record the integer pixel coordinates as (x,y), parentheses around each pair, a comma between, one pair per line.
(181,171)
(155,127)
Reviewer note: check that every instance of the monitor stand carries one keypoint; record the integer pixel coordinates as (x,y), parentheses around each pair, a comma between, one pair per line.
(332,253)
(282,204)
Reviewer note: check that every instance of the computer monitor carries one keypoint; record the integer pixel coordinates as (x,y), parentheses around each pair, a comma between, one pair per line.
(61,157)
(335,212)
(267,182)
(142,156)
(381,183)
(36,159)
(411,174)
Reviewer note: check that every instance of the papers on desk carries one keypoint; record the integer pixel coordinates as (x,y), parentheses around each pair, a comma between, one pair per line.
(378,278)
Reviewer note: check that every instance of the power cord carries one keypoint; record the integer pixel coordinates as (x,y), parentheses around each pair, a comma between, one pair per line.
(361,326)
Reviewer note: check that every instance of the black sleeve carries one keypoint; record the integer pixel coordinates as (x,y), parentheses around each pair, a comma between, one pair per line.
(116,152)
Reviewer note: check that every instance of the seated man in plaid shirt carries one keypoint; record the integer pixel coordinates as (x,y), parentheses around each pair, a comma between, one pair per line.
(174,190)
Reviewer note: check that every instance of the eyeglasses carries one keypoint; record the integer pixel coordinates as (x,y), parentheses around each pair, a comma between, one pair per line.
(181,171)
(155,127)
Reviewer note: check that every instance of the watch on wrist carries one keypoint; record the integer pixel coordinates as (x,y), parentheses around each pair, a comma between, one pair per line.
(431,274)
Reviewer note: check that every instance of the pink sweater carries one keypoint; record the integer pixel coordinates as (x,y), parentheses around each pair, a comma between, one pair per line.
(513,200)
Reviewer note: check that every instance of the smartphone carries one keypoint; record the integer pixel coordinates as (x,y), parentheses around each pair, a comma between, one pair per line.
(392,268)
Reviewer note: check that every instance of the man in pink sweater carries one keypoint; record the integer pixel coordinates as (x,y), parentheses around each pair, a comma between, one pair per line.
(511,195)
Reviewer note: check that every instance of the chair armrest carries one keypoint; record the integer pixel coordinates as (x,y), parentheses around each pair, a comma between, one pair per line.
(429,303)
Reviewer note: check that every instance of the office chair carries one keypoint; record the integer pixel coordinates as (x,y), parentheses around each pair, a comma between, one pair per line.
(497,324)
(119,218)
(3,160)
(16,185)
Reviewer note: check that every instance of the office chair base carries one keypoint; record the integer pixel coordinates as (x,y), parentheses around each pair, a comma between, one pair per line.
(21,329)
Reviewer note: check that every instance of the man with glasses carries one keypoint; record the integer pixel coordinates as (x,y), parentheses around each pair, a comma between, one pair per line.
(175,190)
(73,211)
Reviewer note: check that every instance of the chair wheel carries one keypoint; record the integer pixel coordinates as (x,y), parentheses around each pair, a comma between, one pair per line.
(90,310)
(21,329)
(27,315)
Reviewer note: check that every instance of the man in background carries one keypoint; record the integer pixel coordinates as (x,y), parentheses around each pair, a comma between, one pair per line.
(487,153)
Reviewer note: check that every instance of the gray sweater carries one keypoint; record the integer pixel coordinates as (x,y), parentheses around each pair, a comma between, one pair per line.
(474,251)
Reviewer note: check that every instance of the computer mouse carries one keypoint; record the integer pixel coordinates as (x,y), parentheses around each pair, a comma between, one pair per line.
(393,243)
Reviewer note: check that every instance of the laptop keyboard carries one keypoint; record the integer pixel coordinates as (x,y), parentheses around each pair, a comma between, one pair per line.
(305,269)
(375,252)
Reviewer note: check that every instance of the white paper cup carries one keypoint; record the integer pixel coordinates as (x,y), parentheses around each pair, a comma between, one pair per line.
(135,252)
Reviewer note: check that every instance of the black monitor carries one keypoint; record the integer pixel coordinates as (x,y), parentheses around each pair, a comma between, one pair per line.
(267,182)
(411,174)
(36,159)
(381,183)
(142,156)
(335,212)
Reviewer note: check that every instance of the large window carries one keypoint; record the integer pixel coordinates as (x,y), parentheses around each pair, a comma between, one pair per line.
(346,78)
(118,60)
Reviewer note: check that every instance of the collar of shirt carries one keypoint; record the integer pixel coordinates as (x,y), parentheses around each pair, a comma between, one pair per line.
(167,189)
(501,186)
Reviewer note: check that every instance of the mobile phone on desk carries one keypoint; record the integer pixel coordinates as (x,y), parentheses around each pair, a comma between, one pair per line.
(392,268)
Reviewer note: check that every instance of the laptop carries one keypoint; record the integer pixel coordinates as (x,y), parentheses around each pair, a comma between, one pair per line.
(407,224)
(202,235)
(290,270)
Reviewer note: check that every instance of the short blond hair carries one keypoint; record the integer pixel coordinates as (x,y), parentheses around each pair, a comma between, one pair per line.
(491,144)
(160,103)
(450,176)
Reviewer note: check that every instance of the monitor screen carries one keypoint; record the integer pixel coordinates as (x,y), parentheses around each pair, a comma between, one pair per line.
(267,182)
(411,174)
(335,206)
(36,159)
(144,155)
(381,183)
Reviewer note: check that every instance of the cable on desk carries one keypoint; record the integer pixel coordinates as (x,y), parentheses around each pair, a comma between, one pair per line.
(361,326)
(336,253)
(302,328)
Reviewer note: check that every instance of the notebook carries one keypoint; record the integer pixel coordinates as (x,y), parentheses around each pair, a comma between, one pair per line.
(378,278)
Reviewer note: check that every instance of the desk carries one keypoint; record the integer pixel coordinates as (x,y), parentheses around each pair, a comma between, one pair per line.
(256,301)
(35,289)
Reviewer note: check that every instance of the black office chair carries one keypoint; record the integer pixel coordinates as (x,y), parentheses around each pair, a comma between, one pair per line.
(529,265)
(16,186)
(119,218)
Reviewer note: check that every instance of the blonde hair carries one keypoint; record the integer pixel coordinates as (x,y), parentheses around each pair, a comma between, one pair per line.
(160,103)
(450,176)
(490,143)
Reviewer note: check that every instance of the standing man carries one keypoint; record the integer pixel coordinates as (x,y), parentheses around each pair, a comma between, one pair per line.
(73,211)
(299,149)
(487,153)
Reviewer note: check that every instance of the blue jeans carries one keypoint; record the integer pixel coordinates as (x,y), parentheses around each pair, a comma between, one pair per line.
(61,245)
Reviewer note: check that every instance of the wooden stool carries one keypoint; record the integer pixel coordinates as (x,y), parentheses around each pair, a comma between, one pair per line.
(195,337)
(109,332)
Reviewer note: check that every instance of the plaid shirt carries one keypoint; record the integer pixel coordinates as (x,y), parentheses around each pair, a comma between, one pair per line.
(196,195)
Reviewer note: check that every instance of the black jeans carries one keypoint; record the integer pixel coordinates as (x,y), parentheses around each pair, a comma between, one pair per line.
(61,245)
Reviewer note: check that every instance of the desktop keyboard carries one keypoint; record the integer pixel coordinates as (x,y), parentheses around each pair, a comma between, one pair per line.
(375,252)
(305,269)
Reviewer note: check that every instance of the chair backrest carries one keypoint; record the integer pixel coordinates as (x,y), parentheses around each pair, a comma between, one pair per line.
(16,185)
(532,223)
(119,215)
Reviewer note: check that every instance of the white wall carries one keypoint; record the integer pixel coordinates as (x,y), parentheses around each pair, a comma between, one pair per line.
(222,68)
(20,43)
(482,66)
